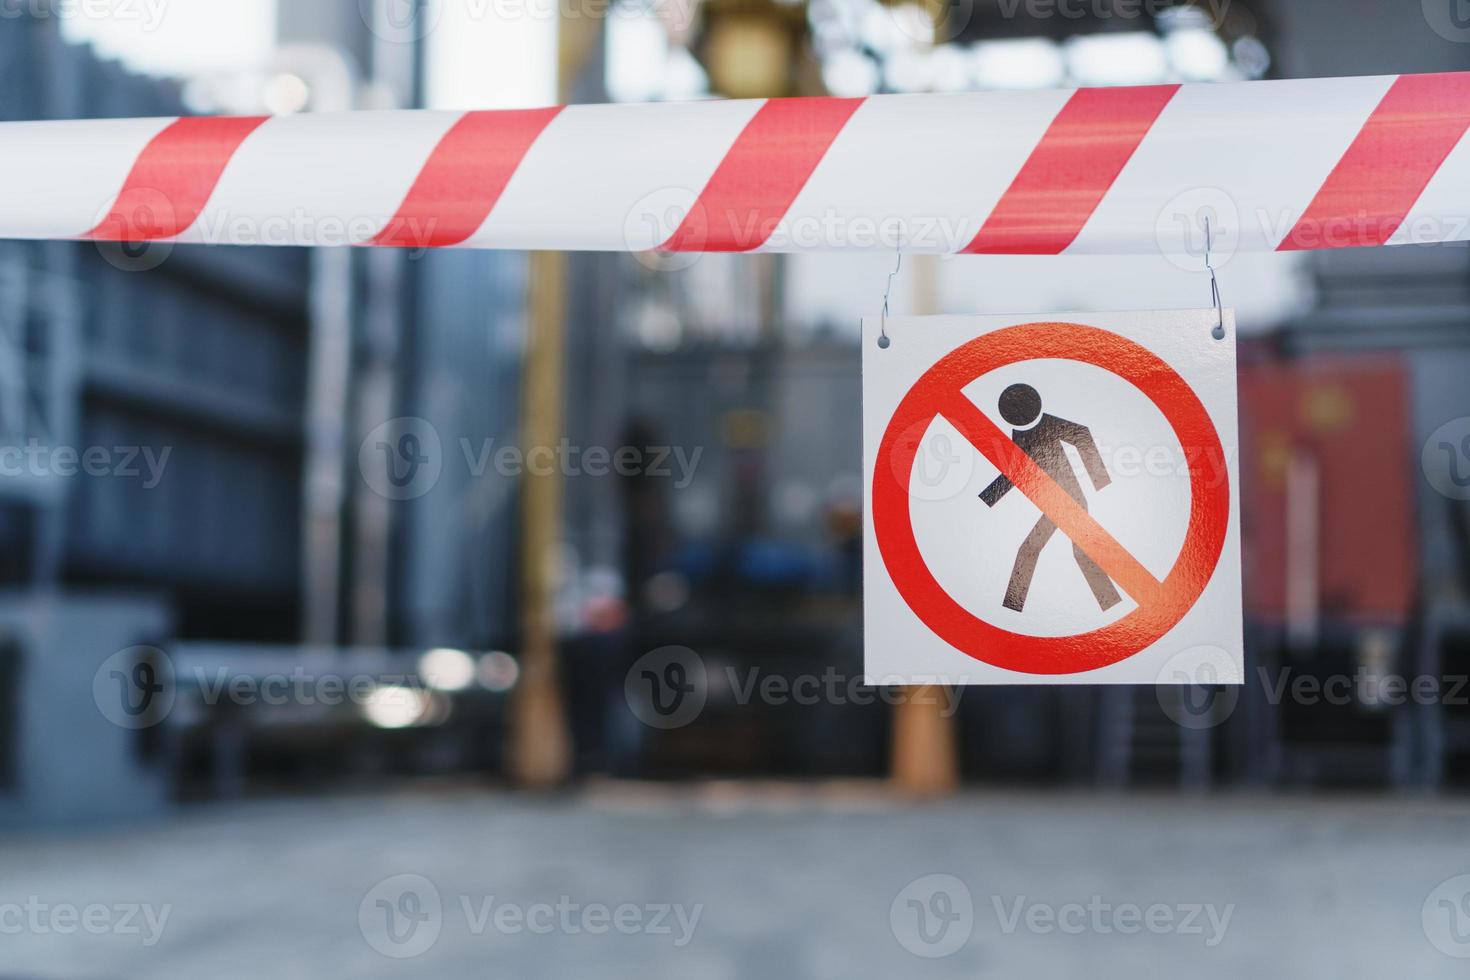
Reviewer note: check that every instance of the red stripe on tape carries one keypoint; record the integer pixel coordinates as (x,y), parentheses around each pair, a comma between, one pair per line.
(464,178)
(1388,165)
(768,165)
(173,178)
(1078,159)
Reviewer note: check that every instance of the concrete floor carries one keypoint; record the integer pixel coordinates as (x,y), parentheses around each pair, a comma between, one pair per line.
(787,882)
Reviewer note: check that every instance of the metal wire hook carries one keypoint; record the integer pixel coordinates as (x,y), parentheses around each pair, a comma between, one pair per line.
(883,341)
(1219,332)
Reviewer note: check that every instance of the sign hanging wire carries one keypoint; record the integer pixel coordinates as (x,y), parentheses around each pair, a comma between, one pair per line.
(1219,332)
(883,341)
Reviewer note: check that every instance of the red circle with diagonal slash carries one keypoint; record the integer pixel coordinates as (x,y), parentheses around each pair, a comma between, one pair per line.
(1162,604)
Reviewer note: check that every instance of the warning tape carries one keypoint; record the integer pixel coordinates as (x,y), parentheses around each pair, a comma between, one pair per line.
(1277,165)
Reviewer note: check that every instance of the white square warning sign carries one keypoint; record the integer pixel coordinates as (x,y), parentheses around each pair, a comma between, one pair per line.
(1052,500)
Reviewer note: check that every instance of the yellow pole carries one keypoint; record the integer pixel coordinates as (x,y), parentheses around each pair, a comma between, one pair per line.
(541,743)
(541,747)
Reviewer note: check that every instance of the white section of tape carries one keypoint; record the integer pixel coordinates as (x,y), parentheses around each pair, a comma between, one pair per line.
(1212,151)
(943,185)
(614,177)
(60,179)
(333,178)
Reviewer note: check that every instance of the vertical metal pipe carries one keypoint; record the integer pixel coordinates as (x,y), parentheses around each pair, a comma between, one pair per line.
(332,83)
(324,469)
(393,51)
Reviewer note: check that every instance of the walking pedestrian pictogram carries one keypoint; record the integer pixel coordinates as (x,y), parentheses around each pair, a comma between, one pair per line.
(998,590)
(1042,436)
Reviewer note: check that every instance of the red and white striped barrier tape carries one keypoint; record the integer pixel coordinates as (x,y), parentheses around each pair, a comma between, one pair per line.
(1280,165)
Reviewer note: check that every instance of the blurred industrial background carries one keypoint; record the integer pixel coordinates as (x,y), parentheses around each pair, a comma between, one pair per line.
(270,524)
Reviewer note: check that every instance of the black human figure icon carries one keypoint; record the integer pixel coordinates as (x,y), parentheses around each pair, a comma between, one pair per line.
(1041,436)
